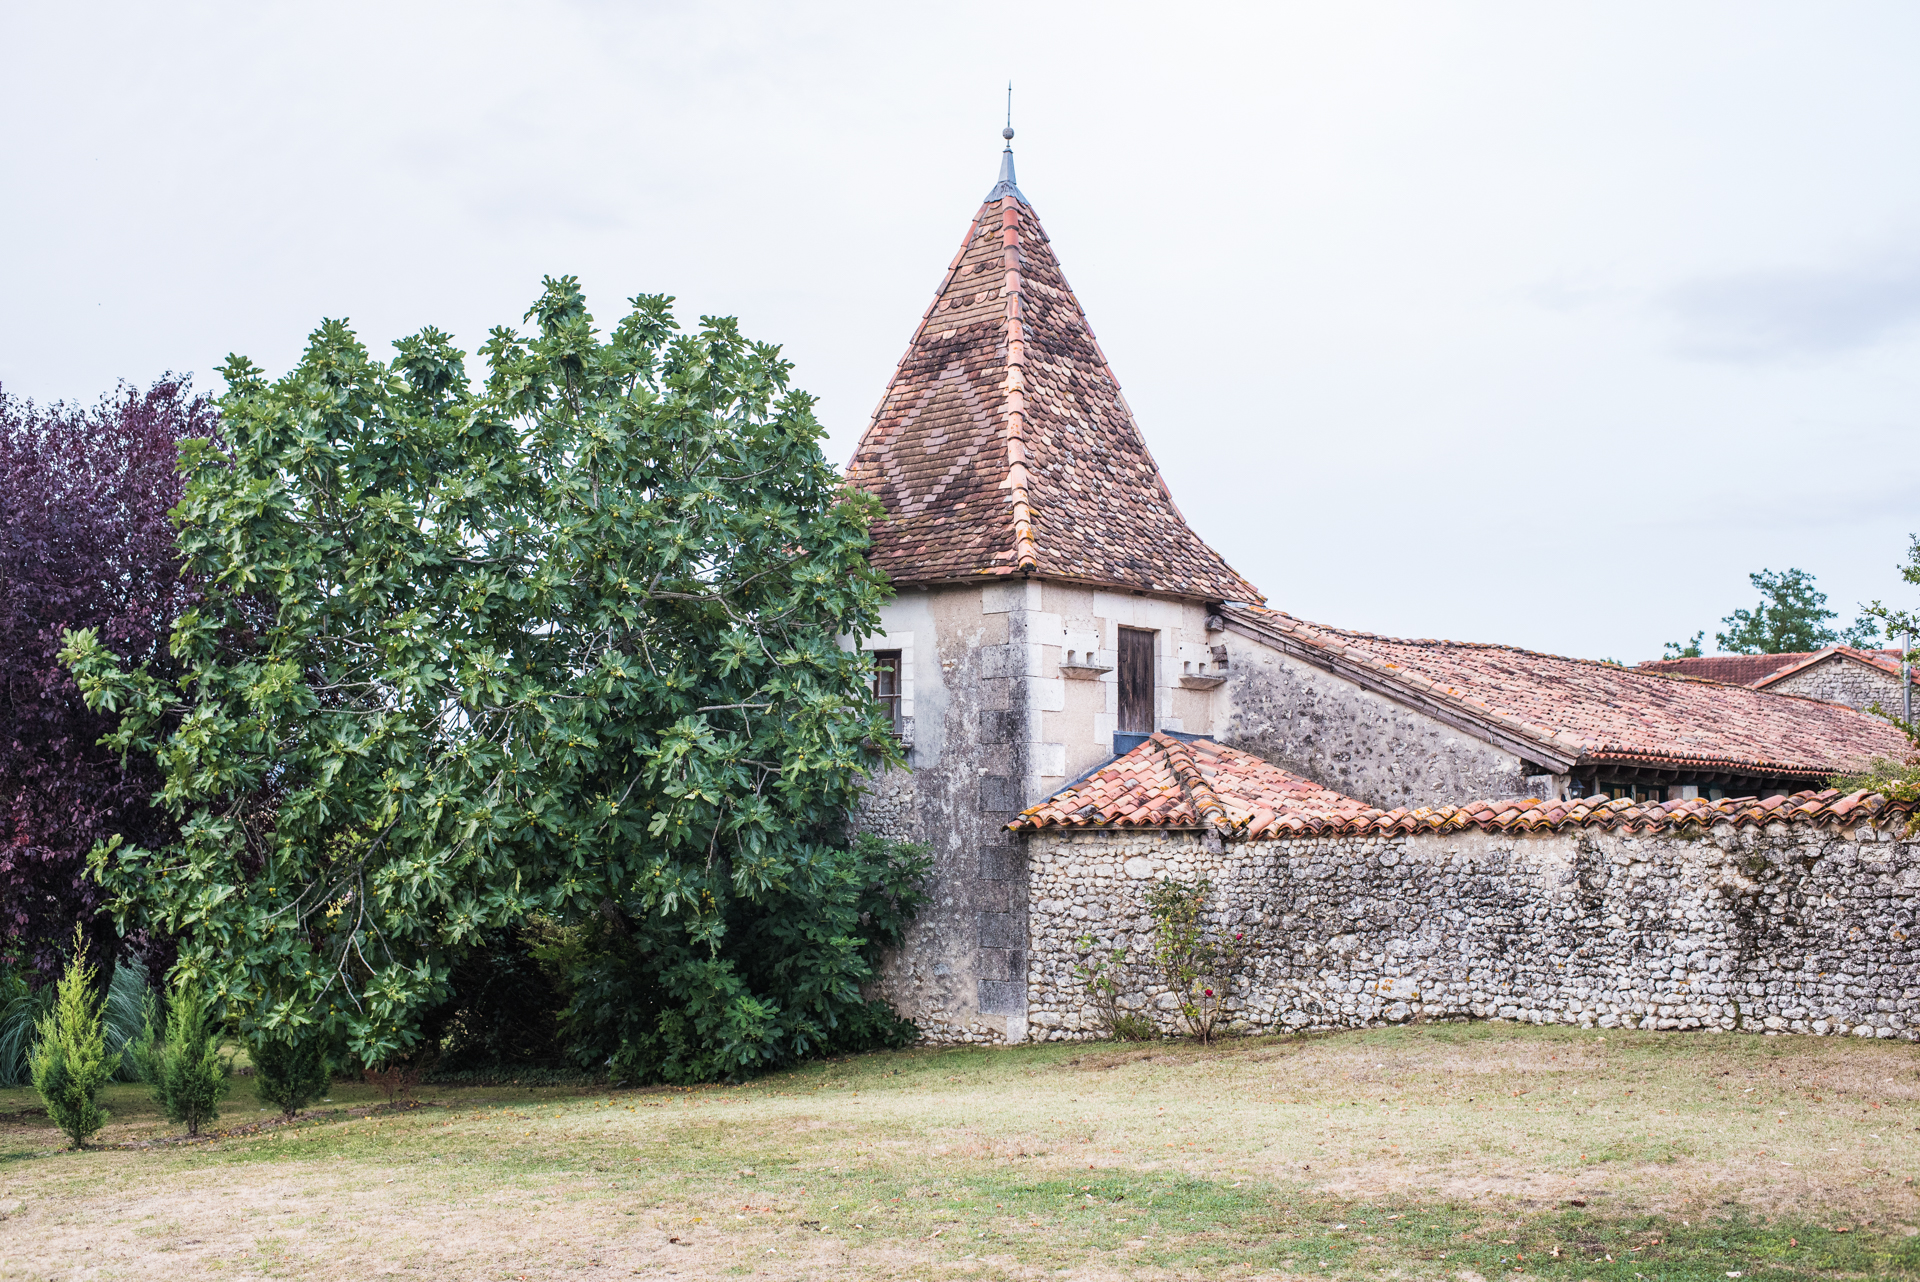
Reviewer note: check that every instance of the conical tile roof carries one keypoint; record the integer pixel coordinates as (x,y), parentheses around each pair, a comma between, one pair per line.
(1003,445)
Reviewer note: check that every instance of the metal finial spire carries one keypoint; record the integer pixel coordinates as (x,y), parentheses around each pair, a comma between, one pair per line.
(1006,185)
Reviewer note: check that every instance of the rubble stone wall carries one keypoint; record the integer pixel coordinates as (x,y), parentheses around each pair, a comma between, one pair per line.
(887,807)
(1838,680)
(1783,929)
(960,973)
(1352,740)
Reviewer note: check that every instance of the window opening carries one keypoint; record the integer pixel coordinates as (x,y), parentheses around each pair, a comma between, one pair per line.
(886,683)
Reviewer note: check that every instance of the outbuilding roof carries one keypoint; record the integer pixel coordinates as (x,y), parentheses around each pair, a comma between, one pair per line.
(1003,445)
(1169,783)
(1763,670)
(1563,713)
(1165,783)
(1734,669)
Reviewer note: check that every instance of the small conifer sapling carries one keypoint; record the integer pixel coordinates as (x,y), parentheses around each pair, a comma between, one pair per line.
(180,1060)
(291,1073)
(69,1061)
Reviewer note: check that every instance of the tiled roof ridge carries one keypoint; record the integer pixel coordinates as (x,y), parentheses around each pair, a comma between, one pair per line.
(1329,629)
(1206,806)
(1803,659)
(1782,656)
(1313,633)
(1026,553)
(1825,808)
(1634,670)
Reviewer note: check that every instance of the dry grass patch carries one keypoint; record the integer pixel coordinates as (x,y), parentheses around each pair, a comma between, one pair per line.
(1418,1151)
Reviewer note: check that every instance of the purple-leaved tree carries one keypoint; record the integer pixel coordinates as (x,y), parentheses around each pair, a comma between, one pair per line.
(84,542)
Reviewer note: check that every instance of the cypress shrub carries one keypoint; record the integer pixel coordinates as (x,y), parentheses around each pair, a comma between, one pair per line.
(180,1061)
(23,1007)
(291,1073)
(69,1061)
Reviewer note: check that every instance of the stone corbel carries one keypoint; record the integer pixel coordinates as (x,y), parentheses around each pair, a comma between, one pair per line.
(1081,666)
(1207,676)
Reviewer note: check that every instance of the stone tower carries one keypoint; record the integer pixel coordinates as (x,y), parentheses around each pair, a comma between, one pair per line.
(1050,599)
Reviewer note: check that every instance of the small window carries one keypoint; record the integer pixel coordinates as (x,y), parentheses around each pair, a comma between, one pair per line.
(1136,681)
(886,683)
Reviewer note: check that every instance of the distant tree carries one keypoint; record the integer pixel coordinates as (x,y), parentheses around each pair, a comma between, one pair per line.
(84,543)
(1899,623)
(1897,778)
(1791,619)
(1691,650)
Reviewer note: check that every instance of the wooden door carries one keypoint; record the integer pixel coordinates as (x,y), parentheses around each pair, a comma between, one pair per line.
(1136,681)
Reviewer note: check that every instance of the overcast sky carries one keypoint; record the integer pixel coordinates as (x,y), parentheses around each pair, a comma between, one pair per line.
(1523,322)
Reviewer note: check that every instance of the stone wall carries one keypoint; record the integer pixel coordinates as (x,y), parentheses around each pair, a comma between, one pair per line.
(1783,929)
(1842,680)
(887,808)
(1352,740)
(961,972)
(993,726)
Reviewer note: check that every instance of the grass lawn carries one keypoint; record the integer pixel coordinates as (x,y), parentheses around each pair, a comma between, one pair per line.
(1457,1151)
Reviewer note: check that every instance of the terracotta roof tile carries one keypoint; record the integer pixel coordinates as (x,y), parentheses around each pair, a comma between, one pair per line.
(1003,444)
(1167,783)
(1202,785)
(1760,670)
(1734,669)
(1563,711)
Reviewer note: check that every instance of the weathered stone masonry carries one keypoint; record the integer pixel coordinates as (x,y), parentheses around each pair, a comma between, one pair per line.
(961,972)
(1330,730)
(1841,680)
(1785,928)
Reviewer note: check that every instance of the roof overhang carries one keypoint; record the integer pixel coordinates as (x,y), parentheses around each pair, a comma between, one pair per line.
(1678,764)
(1368,675)
(1535,744)
(1007,574)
